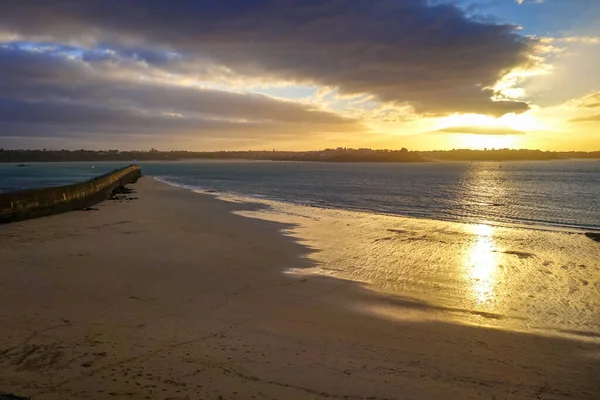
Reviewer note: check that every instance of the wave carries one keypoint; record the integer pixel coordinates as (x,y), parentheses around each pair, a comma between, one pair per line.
(440,214)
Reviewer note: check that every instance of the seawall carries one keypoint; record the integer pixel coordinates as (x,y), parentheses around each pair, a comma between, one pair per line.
(34,203)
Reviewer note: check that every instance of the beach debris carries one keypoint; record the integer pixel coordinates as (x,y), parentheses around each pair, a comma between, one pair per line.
(520,254)
(121,192)
(9,396)
(595,236)
(398,231)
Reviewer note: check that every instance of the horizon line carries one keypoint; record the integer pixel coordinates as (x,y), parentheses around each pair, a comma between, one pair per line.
(300,151)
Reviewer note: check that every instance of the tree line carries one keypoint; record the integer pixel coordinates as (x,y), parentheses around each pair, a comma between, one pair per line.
(340,154)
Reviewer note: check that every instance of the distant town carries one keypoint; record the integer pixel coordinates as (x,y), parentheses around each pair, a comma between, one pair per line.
(340,154)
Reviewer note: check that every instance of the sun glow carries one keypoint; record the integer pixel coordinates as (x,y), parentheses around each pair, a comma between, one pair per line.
(508,131)
(480,142)
(481,264)
(520,122)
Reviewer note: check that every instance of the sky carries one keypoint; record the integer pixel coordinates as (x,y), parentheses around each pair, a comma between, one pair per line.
(300,74)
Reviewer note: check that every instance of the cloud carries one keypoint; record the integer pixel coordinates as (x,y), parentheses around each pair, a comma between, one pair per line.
(590,101)
(52,93)
(589,118)
(572,39)
(480,130)
(432,57)
(529,1)
(580,39)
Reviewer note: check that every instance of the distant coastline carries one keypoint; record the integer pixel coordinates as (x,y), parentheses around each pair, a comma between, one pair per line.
(327,155)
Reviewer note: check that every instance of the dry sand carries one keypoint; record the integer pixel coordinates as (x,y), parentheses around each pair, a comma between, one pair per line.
(171,296)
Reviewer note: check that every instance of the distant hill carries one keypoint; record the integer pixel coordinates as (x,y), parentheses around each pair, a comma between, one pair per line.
(327,155)
(330,155)
(505,155)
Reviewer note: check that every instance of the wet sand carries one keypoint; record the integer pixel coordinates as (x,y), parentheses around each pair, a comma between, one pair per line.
(171,296)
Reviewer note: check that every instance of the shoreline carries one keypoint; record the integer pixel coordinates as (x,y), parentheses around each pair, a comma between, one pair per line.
(250,199)
(175,295)
(566,216)
(425,160)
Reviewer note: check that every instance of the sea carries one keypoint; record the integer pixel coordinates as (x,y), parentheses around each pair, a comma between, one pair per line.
(497,244)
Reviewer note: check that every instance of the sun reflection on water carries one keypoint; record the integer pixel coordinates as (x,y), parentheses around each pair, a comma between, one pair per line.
(482,265)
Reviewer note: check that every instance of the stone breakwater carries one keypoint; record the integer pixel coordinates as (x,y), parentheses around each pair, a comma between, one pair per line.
(34,203)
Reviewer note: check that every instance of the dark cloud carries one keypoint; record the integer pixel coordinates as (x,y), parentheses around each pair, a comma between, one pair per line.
(591,101)
(49,93)
(480,130)
(32,119)
(431,56)
(529,1)
(589,118)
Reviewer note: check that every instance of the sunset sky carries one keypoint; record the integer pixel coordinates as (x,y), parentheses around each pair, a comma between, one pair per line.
(300,74)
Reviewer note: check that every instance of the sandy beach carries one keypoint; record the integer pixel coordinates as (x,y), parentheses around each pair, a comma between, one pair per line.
(173,295)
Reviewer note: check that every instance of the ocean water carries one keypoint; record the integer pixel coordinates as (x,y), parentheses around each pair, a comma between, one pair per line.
(488,275)
(498,245)
(560,194)
(494,244)
(36,175)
